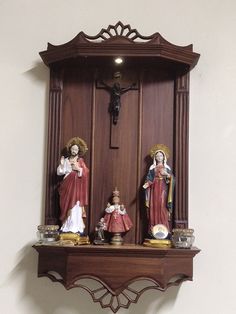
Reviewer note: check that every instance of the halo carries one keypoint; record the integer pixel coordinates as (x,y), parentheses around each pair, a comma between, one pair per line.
(160,147)
(77,141)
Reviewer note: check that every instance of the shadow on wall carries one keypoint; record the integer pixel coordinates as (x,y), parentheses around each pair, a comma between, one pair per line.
(40,73)
(46,297)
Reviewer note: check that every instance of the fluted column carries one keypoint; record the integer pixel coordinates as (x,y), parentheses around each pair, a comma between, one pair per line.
(181,150)
(53,146)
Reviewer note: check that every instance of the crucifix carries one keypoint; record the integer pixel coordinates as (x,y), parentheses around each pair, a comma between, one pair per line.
(115,105)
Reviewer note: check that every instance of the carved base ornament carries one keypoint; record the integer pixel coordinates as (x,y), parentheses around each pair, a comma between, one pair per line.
(108,266)
(109,122)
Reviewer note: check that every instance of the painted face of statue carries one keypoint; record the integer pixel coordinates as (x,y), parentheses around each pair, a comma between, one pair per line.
(74,150)
(159,157)
(116,200)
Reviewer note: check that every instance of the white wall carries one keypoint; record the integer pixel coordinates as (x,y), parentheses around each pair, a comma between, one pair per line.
(25,28)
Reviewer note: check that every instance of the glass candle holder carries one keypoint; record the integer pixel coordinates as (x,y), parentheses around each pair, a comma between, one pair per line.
(48,233)
(182,238)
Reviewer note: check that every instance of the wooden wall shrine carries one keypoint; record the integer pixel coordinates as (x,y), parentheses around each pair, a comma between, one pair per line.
(155,111)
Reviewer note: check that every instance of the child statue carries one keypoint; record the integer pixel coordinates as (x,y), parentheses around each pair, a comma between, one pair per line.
(116,219)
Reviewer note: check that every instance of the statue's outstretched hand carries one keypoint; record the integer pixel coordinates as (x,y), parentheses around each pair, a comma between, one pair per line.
(62,161)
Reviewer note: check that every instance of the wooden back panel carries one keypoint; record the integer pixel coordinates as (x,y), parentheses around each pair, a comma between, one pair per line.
(147,117)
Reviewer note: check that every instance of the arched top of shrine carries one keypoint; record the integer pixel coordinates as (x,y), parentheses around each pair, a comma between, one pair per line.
(120,40)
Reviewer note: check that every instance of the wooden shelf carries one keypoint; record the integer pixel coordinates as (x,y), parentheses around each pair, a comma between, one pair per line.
(115,268)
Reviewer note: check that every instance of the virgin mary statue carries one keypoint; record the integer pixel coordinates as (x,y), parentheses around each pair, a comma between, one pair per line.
(159,188)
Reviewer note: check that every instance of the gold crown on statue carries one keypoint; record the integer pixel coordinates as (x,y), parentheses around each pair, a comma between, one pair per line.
(116,192)
(80,143)
(159,147)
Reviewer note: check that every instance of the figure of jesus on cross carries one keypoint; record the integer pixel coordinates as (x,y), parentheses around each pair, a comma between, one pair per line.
(116,91)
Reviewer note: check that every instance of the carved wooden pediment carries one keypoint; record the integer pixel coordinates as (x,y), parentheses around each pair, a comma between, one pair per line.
(120,40)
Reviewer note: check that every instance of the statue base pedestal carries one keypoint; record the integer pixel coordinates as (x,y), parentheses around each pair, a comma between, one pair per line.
(117,239)
(99,242)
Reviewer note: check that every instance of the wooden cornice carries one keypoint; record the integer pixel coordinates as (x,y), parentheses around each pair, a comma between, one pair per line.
(120,40)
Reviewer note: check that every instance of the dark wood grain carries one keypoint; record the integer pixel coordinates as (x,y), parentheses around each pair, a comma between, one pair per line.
(157,122)
(109,264)
(115,269)
(115,167)
(107,43)
(181,133)
(53,145)
(156,112)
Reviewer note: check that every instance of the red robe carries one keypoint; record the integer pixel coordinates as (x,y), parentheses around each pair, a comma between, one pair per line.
(157,198)
(116,222)
(73,189)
